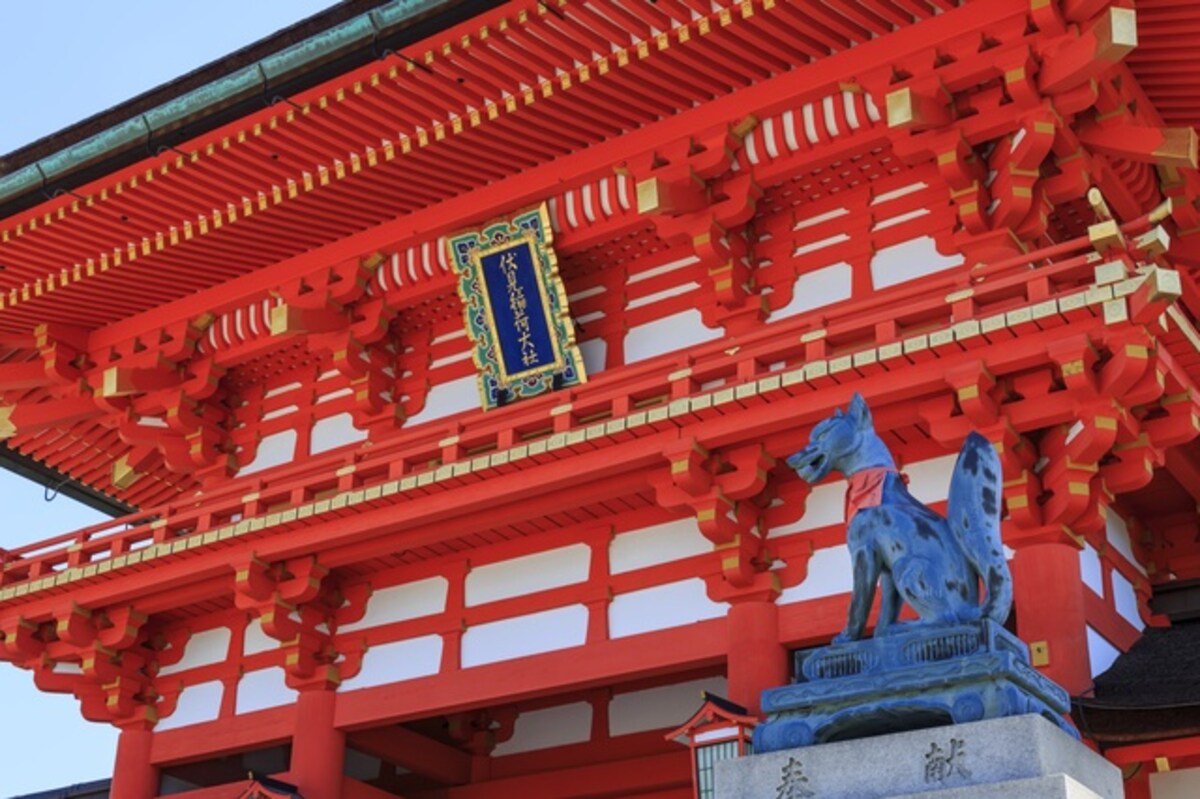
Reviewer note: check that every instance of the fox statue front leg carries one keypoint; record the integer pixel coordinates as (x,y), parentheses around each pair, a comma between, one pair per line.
(866,576)
(889,604)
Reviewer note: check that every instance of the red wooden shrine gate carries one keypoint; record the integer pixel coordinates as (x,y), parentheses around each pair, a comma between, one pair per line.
(980,215)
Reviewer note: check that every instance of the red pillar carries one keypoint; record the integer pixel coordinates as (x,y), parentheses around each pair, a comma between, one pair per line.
(1048,596)
(1138,785)
(756,660)
(134,776)
(318,748)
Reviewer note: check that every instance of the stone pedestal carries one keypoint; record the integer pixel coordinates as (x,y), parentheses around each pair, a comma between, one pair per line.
(1025,756)
(922,676)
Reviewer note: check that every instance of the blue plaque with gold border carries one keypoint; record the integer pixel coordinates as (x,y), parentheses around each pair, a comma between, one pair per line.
(515,309)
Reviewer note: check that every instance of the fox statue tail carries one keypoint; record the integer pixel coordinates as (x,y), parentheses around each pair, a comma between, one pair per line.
(973,514)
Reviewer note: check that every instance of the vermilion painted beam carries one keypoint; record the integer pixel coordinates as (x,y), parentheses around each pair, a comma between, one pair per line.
(623,778)
(401,746)
(29,418)
(224,736)
(17,376)
(1105,42)
(1175,147)
(1142,753)
(597,750)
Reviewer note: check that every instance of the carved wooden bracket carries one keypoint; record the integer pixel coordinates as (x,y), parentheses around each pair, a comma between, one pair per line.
(726,491)
(298,605)
(104,658)
(694,197)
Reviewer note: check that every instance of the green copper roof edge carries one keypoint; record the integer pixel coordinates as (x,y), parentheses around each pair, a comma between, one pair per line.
(257,77)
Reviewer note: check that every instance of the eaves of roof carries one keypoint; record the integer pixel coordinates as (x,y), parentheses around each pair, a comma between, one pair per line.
(334,41)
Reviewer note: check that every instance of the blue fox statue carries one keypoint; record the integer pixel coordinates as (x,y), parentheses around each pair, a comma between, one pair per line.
(902,547)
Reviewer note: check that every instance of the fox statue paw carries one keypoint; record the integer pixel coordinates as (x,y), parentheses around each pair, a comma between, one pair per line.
(971,613)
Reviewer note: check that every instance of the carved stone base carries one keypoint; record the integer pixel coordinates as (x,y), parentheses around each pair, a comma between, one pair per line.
(920,677)
(1021,756)
(1056,786)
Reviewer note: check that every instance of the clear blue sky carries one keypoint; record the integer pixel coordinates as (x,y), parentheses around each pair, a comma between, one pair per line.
(59,63)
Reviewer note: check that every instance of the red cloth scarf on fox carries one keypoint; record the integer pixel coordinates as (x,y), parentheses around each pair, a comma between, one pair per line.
(865,489)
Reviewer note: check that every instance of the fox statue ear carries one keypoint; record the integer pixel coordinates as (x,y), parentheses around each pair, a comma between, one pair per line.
(859,412)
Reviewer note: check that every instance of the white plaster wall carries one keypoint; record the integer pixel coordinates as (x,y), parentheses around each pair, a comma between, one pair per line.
(819,218)
(1117,533)
(1101,653)
(929,480)
(335,431)
(336,394)
(274,450)
(1175,784)
(829,573)
(662,543)
(549,727)
(447,399)
(275,392)
(258,690)
(197,704)
(905,216)
(534,633)
(256,640)
(402,602)
(671,333)
(528,574)
(817,289)
(210,646)
(1125,600)
(595,355)
(895,194)
(662,269)
(826,505)
(658,296)
(1090,569)
(275,414)
(909,260)
(658,708)
(820,244)
(397,661)
(661,607)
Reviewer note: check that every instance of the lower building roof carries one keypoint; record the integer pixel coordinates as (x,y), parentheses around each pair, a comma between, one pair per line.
(1149,693)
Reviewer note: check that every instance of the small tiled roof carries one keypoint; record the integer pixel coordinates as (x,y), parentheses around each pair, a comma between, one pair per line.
(97,789)
(1161,670)
(1149,693)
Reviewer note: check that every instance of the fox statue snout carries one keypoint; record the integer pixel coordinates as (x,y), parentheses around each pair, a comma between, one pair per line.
(812,466)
